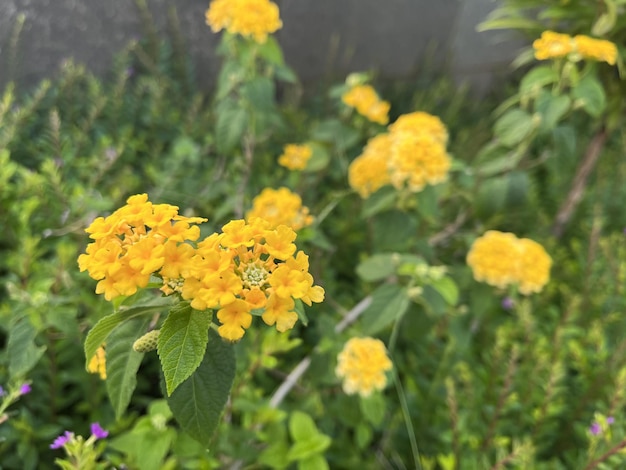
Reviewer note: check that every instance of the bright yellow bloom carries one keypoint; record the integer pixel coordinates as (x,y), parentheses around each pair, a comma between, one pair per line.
(596,49)
(420,122)
(534,267)
(501,259)
(362,365)
(553,45)
(365,100)
(417,160)
(280,207)
(249,18)
(98,364)
(368,172)
(295,157)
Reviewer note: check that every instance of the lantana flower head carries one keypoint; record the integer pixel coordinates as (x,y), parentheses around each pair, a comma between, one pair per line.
(501,259)
(552,45)
(249,18)
(295,157)
(420,122)
(280,207)
(600,50)
(98,364)
(367,103)
(368,172)
(362,365)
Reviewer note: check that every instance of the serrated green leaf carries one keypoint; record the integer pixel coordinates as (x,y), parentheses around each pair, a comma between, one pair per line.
(337,133)
(122,363)
(308,439)
(230,128)
(101,330)
(182,343)
(315,462)
(198,402)
(513,127)
(590,94)
(382,200)
(271,51)
(389,303)
(538,78)
(301,426)
(259,93)
(553,109)
(21,348)
(303,450)
(373,408)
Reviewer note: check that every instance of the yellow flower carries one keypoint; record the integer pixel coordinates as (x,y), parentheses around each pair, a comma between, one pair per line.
(420,122)
(553,45)
(249,18)
(368,172)
(596,49)
(417,160)
(280,207)
(534,267)
(295,157)
(494,258)
(365,100)
(501,259)
(362,365)
(98,364)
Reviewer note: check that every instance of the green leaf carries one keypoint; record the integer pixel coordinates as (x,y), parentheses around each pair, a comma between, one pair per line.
(259,93)
(319,159)
(198,402)
(230,127)
(308,440)
(182,343)
(122,363)
(538,78)
(508,23)
(590,94)
(21,348)
(315,462)
(373,408)
(377,267)
(389,303)
(99,333)
(270,50)
(301,426)
(382,200)
(337,133)
(447,288)
(299,309)
(513,127)
(553,109)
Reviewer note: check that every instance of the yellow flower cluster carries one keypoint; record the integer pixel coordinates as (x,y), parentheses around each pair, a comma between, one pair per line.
(98,363)
(249,18)
(501,259)
(553,45)
(248,268)
(295,157)
(365,100)
(362,365)
(412,154)
(135,241)
(280,207)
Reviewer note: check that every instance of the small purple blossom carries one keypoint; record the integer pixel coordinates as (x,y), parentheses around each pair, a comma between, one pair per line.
(62,440)
(610,420)
(508,303)
(595,429)
(2,392)
(98,432)
(25,388)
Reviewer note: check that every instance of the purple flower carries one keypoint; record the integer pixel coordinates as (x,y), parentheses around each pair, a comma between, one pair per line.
(25,388)
(595,429)
(610,420)
(508,303)
(2,392)
(61,440)
(98,432)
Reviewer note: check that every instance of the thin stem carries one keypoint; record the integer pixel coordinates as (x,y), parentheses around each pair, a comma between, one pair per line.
(605,456)
(407,421)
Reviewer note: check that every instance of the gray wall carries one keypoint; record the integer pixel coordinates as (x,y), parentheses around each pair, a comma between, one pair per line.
(321,38)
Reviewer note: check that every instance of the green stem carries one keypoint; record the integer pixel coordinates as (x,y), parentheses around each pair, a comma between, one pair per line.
(407,421)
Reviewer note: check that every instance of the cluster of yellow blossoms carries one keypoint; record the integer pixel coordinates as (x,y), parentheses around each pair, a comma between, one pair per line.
(249,18)
(411,155)
(280,207)
(295,157)
(553,45)
(248,268)
(365,100)
(362,365)
(501,259)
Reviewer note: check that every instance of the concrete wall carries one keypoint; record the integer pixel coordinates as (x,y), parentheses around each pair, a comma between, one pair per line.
(321,38)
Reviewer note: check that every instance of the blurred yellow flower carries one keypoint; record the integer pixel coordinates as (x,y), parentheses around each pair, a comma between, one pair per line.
(362,365)
(98,364)
(420,122)
(365,100)
(249,18)
(295,157)
(596,49)
(501,259)
(553,45)
(367,173)
(280,207)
